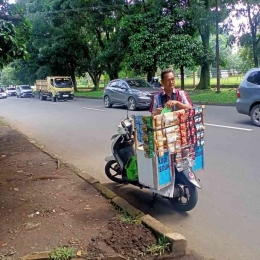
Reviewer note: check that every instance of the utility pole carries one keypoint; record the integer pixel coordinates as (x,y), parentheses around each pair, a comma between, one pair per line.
(217,48)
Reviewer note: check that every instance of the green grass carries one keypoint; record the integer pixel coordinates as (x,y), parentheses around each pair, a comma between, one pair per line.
(162,246)
(62,253)
(225,96)
(96,94)
(231,82)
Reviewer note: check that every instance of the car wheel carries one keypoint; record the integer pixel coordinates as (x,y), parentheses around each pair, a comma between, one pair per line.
(131,104)
(255,115)
(107,102)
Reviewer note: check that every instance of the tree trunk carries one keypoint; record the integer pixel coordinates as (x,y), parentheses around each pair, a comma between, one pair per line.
(113,75)
(95,78)
(253,29)
(217,49)
(151,73)
(73,77)
(182,77)
(205,66)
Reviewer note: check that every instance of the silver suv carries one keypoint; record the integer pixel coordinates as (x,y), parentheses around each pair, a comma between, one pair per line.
(248,96)
(134,93)
(24,91)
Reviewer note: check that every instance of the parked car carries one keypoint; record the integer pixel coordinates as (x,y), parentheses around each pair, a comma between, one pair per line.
(134,93)
(248,96)
(11,91)
(24,91)
(3,93)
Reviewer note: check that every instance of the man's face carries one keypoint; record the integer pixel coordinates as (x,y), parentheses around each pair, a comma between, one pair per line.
(168,81)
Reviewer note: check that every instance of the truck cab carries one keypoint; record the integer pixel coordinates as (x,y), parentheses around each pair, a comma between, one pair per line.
(56,88)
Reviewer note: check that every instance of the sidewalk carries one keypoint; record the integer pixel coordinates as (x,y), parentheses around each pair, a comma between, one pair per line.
(45,205)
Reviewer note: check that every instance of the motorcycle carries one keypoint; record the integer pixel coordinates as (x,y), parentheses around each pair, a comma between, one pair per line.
(185,184)
(155,82)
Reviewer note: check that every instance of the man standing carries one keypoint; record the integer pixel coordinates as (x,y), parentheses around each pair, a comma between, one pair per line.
(170,96)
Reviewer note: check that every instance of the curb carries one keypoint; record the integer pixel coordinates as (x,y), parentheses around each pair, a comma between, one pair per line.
(178,243)
(196,103)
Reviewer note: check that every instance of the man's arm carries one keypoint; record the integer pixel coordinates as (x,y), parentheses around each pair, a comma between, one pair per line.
(184,103)
(155,109)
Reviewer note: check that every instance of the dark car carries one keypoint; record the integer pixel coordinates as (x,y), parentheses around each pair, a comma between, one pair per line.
(134,93)
(248,96)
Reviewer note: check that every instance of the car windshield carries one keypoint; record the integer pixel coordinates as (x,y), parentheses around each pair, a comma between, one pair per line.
(62,82)
(138,83)
(25,87)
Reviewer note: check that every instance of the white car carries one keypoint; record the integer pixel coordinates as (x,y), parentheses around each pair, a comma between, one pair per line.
(3,93)
(11,91)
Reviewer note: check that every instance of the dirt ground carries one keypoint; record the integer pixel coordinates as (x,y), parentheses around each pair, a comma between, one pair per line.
(44,205)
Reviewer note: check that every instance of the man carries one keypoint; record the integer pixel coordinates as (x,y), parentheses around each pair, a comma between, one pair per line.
(169,96)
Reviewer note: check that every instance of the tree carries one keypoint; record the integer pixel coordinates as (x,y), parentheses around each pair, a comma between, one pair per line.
(13,35)
(8,76)
(247,12)
(252,12)
(153,30)
(180,51)
(204,13)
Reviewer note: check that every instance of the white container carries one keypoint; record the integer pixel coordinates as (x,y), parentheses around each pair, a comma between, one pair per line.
(156,172)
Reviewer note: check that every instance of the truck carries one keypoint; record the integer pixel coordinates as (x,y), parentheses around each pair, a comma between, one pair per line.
(55,88)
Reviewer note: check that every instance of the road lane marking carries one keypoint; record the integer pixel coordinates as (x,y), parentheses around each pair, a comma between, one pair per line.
(95,109)
(231,127)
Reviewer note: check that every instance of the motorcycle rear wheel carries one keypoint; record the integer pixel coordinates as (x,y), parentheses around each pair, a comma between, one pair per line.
(112,170)
(190,195)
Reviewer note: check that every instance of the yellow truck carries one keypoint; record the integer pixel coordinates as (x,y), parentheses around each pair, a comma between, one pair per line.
(56,88)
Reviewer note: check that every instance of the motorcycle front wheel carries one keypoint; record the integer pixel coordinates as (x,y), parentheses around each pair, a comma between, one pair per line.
(187,199)
(113,172)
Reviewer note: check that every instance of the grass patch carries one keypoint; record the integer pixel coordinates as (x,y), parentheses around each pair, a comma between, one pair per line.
(62,253)
(225,96)
(95,94)
(125,217)
(162,246)
(3,123)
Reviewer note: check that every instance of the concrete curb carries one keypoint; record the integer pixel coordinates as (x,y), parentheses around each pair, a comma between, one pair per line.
(196,103)
(179,246)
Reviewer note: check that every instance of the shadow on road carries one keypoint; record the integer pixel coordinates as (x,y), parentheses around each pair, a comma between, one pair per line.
(142,200)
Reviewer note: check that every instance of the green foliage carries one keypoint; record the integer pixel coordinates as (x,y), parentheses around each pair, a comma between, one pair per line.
(162,247)
(8,76)
(125,217)
(11,45)
(62,253)
(160,37)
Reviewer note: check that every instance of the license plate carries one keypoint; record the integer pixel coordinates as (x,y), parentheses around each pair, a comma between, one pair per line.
(65,95)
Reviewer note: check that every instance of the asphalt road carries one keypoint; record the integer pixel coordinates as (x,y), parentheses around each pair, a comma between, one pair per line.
(226,222)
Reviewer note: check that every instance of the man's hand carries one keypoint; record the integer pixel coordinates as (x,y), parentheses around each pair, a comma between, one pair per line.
(172,103)
(158,111)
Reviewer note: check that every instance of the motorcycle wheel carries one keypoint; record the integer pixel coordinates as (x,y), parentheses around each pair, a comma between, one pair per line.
(112,170)
(189,199)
